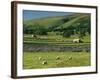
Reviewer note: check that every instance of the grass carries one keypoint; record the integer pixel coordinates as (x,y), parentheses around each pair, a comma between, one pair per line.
(56,43)
(46,21)
(53,39)
(72,21)
(31,59)
(56,40)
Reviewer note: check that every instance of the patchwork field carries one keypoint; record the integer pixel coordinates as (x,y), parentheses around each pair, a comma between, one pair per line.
(66,59)
(57,41)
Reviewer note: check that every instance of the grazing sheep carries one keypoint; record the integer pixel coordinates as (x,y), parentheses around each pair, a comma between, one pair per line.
(40,58)
(32,36)
(44,62)
(70,58)
(57,58)
(77,41)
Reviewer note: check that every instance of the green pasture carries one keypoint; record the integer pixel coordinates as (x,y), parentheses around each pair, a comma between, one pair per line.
(53,38)
(78,59)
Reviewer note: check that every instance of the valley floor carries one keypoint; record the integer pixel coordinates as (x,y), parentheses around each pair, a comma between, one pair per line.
(66,59)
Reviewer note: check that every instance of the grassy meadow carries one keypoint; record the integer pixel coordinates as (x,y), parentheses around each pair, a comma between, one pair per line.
(53,38)
(31,59)
(48,42)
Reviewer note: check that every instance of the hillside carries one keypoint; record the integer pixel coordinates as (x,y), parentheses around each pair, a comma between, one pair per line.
(46,22)
(77,23)
(73,21)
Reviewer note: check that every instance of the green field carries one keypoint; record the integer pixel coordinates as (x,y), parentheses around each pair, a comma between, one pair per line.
(31,59)
(52,38)
(46,38)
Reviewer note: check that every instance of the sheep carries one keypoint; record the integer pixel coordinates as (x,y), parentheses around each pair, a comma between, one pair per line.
(77,41)
(57,58)
(44,62)
(40,58)
(70,58)
(32,36)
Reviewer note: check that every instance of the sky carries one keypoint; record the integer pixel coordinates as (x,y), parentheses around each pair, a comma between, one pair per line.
(31,14)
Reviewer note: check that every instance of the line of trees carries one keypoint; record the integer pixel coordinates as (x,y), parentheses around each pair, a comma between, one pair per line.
(35,29)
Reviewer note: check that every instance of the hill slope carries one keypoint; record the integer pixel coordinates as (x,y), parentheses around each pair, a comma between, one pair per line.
(78,23)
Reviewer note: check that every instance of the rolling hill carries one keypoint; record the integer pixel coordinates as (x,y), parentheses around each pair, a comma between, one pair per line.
(77,22)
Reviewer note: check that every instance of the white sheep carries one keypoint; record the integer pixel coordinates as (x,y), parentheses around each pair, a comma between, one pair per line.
(40,58)
(70,58)
(44,62)
(32,35)
(57,58)
(76,40)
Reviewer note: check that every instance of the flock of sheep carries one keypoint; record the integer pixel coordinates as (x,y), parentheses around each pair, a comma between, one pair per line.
(44,62)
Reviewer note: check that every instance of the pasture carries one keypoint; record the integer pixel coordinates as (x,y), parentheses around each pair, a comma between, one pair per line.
(31,59)
(53,37)
(57,41)
(47,48)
